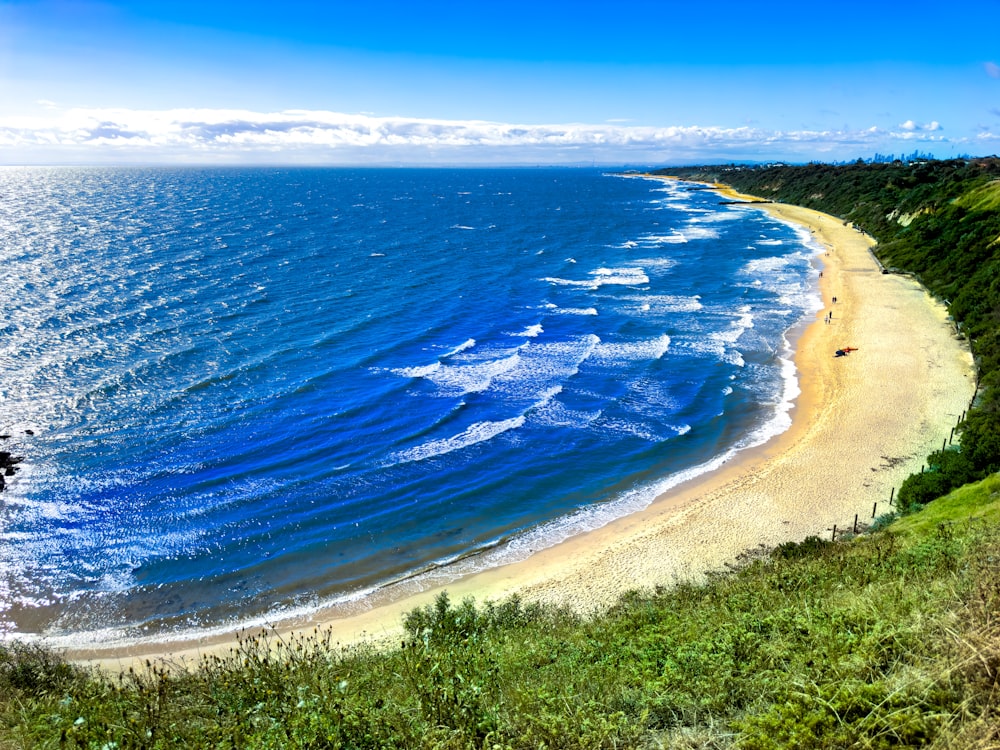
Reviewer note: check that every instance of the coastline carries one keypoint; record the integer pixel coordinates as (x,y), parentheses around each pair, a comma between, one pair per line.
(860,424)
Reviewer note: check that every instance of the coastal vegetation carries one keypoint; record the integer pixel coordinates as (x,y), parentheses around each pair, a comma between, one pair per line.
(883,640)
(890,639)
(940,222)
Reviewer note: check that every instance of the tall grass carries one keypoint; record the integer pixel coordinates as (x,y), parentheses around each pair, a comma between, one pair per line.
(891,639)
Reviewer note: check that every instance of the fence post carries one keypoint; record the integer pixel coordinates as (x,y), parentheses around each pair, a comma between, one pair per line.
(834,537)
(892,492)
(875,505)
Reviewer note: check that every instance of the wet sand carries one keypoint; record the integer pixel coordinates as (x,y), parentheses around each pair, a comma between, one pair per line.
(862,423)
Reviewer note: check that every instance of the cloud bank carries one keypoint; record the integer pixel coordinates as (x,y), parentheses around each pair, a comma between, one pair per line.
(225,136)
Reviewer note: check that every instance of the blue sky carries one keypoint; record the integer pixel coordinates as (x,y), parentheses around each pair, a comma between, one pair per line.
(513,82)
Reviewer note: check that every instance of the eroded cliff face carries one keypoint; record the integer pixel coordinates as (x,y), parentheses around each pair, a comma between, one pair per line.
(904,219)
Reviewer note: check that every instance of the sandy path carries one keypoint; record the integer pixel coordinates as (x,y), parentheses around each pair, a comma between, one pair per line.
(861,425)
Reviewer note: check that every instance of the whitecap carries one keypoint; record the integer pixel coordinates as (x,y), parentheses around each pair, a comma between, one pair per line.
(569,282)
(476,433)
(736,328)
(546,396)
(769,265)
(575,311)
(467,344)
(675,238)
(701,233)
(658,263)
(543,367)
(646,349)
(476,377)
(663,304)
(421,371)
(626,276)
(530,332)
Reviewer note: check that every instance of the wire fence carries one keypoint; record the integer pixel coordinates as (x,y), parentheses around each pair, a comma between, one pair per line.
(852,528)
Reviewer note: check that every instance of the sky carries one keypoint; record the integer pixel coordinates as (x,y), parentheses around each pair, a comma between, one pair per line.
(483,82)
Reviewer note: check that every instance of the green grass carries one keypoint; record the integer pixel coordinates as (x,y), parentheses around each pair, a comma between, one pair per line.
(887,640)
(985,198)
(979,502)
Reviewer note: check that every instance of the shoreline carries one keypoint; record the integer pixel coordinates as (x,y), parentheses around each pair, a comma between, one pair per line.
(860,424)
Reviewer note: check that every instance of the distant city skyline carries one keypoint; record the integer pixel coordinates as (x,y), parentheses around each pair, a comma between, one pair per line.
(490,83)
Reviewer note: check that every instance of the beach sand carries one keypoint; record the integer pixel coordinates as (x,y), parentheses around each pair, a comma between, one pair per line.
(861,424)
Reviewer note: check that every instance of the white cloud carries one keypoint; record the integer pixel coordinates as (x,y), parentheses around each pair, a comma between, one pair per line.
(111,135)
(911,126)
(992,69)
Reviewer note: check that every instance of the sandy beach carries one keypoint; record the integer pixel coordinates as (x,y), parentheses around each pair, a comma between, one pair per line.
(861,424)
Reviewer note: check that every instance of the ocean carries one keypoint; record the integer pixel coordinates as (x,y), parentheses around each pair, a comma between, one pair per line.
(244,393)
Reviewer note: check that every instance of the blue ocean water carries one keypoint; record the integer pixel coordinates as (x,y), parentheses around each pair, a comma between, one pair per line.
(244,392)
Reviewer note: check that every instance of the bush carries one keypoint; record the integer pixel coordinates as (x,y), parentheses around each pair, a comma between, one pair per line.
(919,489)
(948,469)
(808,547)
(33,669)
